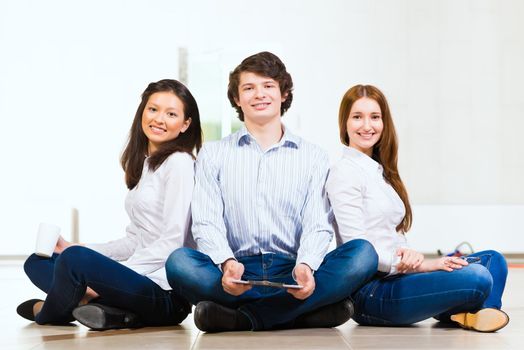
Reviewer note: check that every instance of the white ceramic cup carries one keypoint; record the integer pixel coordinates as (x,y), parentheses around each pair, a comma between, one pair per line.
(46,239)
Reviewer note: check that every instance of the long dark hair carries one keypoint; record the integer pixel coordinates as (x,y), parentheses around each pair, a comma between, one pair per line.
(385,152)
(133,157)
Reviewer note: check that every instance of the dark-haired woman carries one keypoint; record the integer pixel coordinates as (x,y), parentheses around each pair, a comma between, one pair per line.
(370,202)
(122,283)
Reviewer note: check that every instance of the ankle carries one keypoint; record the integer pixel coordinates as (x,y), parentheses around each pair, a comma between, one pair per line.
(37,307)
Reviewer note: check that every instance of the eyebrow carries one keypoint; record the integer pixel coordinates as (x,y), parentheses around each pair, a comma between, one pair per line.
(264,82)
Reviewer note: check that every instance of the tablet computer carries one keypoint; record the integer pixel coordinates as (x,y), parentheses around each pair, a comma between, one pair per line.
(269,284)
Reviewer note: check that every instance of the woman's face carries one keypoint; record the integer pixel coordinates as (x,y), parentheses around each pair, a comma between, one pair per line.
(364,125)
(163,119)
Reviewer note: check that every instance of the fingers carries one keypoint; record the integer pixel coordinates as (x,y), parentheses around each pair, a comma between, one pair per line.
(410,260)
(305,292)
(233,270)
(453,263)
(233,288)
(305,278)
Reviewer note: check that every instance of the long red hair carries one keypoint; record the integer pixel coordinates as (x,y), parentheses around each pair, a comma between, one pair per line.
(385,152)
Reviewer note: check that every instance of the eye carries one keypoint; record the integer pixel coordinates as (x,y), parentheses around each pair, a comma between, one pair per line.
(171,115)
(151,109)
(376,117)
(247,88)
(269,86)
(356,116)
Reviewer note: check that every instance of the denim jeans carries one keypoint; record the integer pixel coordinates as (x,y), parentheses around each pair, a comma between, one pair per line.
(65,278)
(194,276)
(408,298)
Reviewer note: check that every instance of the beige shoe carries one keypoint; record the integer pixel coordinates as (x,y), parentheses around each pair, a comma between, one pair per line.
(485,320)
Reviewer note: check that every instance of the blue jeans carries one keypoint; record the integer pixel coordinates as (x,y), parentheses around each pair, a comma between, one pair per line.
(408,298)
(65,278)
(194,276)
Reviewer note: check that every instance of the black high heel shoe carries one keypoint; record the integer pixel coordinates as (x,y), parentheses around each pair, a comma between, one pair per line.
(26,309)
(100,317)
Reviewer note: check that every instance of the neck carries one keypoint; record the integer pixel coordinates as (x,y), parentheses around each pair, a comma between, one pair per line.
(267,134)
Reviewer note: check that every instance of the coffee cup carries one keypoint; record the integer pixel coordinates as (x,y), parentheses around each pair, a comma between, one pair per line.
(46,239)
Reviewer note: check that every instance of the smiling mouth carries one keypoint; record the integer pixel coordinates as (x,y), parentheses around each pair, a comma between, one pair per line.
(156,129)
(366,136)
(262,105)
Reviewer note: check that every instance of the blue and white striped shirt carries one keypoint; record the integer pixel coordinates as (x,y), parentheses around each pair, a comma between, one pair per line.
(247,201)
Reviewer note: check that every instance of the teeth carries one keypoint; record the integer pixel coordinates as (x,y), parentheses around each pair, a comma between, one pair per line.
(154,128)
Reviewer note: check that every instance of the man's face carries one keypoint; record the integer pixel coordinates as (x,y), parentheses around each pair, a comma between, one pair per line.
(259,97)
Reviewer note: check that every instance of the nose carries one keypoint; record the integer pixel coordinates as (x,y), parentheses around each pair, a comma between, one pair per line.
(159,118)
(259,92)
(367,124)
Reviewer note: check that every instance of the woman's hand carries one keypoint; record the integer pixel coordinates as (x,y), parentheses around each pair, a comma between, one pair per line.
(449,263)
(61,245)
(410,260)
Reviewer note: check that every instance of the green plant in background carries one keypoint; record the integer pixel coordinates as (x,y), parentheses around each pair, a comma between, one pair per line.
(213,129)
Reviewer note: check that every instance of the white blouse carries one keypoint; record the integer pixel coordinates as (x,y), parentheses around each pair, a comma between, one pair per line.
(160,214)
(366,206)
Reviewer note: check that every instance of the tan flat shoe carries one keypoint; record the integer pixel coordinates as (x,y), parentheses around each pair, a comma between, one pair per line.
(485,320)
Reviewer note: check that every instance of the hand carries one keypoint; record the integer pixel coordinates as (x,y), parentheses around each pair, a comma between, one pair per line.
(233,270)
(61,245)
(304,277)
(450,263)
(410,260)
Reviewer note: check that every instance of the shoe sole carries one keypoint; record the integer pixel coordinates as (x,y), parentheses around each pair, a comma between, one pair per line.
(485,320)
(91,317)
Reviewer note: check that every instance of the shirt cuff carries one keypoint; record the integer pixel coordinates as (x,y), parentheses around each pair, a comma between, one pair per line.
(295,276)
(219,257)
(312,261)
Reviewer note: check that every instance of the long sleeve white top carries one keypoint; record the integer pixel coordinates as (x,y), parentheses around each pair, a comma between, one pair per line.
(366,206)
(159,211)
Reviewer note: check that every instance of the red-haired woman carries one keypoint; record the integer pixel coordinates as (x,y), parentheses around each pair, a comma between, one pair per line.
(370,202)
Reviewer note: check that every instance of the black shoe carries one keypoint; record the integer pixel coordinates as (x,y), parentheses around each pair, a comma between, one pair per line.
(212,317)
(328,316)
(26,309)
(101,317)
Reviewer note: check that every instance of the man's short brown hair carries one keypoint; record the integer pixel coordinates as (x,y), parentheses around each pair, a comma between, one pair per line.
(265,64)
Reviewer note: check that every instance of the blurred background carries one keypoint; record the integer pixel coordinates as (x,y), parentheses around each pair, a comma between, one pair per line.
(71,75)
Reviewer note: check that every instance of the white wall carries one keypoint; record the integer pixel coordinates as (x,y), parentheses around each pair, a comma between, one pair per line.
(71,74)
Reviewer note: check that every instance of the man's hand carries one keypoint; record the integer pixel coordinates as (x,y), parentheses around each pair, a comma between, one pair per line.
(233,270)
(304,277)
(410,260)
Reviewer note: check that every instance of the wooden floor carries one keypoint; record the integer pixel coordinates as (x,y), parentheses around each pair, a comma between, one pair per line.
(18,333)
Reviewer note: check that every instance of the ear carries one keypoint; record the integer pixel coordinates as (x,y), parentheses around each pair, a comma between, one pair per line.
(186,125)
(284,97)
(236,101)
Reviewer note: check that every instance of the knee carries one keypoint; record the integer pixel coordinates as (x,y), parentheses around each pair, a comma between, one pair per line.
(495,259)
(179,264)
(73,256)
(30,265)
(479,278)
(363,257)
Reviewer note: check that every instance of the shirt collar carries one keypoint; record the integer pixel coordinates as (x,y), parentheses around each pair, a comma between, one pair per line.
(366,162)
(288,139)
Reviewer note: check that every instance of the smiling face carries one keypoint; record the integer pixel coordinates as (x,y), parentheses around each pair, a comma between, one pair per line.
(364,125)
(163,119)
(259,97)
